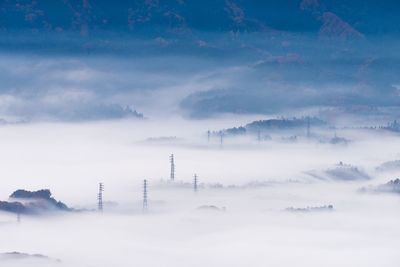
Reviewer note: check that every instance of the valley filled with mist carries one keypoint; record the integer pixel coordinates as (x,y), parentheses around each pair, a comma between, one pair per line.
(199,133)
(259,202)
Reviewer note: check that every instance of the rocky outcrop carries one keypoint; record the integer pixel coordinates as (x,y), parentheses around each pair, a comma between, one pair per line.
(32,202)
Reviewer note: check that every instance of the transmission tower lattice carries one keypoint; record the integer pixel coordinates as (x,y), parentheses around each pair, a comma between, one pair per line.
(172,161)
(195,183)
(100,197)
(145,204)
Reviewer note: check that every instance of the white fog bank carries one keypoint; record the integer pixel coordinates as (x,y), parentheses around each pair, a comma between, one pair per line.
(251,227)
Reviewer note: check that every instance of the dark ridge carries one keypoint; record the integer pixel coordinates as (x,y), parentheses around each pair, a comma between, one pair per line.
(272,124)
(283,123)
(32,202)
(43,194)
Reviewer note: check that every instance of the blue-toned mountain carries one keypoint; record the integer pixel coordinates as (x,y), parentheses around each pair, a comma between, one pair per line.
(158,17)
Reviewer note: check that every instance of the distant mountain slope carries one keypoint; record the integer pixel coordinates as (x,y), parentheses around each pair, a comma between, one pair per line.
(338,17)
(280,53)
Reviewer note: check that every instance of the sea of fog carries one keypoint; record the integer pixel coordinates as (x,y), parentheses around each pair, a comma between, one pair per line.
(250,227)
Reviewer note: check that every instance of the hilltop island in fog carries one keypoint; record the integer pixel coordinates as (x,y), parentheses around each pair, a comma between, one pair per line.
(32,202)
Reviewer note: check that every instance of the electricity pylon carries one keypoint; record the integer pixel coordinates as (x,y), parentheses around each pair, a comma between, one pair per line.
(100,197)
(145,204)
(195,183)
(172,161)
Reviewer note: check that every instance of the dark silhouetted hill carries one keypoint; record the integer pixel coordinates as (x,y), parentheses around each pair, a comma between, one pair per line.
(32,202)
